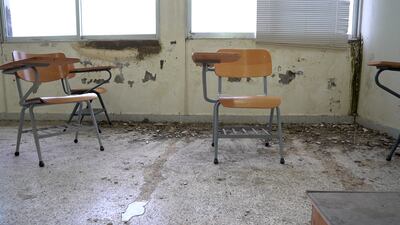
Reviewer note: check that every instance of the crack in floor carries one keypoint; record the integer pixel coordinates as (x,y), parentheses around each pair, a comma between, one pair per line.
(152,174)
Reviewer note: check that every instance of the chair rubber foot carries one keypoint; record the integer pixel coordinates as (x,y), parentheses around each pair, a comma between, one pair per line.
(99,131)
(282,161)
(389,158)
(267,144)
(41,164)
(64,130)
(76,141)
(212,144)
(215,161)
(101,148)
(16,153)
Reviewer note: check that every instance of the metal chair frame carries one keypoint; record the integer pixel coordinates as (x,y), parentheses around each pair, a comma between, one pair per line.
(66,87)
(47,130)
(241,132)
(379,84)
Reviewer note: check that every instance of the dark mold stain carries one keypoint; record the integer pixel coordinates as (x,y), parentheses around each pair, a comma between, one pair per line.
(162,64)
(173,42)
(130,83)
(90,81)
(248,79)
(356,50)
(144,47)
(84,80)
(289,76)
(149,76)
(234,79)
(331,83)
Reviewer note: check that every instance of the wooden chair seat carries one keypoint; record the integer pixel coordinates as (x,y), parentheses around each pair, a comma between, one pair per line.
(99,90)
(61,99)
(256,102)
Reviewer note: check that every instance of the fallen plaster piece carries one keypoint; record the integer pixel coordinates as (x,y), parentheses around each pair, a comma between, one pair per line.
(134,209)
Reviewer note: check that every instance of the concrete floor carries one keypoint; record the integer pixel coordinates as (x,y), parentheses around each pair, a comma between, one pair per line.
(171,168)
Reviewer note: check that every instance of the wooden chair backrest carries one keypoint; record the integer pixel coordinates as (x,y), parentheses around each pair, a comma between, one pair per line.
(46,74)
(252,63)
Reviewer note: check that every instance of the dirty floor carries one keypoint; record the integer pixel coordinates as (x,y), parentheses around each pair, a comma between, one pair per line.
(170,167)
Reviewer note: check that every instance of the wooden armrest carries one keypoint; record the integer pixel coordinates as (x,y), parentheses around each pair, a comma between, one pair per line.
(91,69)
(11,67)
(385,64)
(214,57)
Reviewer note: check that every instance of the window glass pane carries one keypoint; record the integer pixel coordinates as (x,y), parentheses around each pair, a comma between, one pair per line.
(28,18)
(118,17)
(224,16)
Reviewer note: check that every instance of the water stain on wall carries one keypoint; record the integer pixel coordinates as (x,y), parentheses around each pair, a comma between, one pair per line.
(143,47)
(130,83)
(149,77)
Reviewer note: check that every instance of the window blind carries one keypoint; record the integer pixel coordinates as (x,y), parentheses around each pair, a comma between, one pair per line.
(311,22)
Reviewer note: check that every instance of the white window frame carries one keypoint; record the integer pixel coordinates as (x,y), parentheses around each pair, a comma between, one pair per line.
(222,35)
(190,35)
(78,36)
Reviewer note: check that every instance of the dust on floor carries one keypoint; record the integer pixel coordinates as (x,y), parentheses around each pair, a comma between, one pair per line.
(169,166)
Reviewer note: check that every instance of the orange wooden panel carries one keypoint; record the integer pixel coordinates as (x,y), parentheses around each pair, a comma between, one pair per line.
(316,218)
(213,57)
(50,73)
(256,102)
(385,64)
(252,63)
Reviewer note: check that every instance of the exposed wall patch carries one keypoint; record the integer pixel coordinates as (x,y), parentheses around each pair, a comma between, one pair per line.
(149,76)
(331,83)
(234,79)
(289,76)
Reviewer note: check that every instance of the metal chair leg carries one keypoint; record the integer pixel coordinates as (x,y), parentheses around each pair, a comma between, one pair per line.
(104,108)
(79,119)
(278,118)
(35,135)
(95,125)
(73,113)
(20,126)
(271,117)
(389,157)
(215,131)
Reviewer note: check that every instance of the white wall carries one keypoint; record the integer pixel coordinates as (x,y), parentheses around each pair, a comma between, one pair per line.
(321,86)
(381,42)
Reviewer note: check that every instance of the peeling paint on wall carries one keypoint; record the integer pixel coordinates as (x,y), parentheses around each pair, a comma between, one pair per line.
(86,62)
(331,83)
(144,48)
(289,76)
(162,63)
(119,79)
(149,76)
(333,103)
(234,79)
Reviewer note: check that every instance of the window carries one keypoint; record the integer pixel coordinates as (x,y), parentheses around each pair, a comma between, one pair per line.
(279,21)
(79,19)
(314,22)
(223,18)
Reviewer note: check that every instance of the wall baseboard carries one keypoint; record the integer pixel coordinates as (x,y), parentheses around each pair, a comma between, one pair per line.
(191,118)
(375,126)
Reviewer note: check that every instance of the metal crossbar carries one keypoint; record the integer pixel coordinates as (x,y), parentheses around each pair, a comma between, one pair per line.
(243,132)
